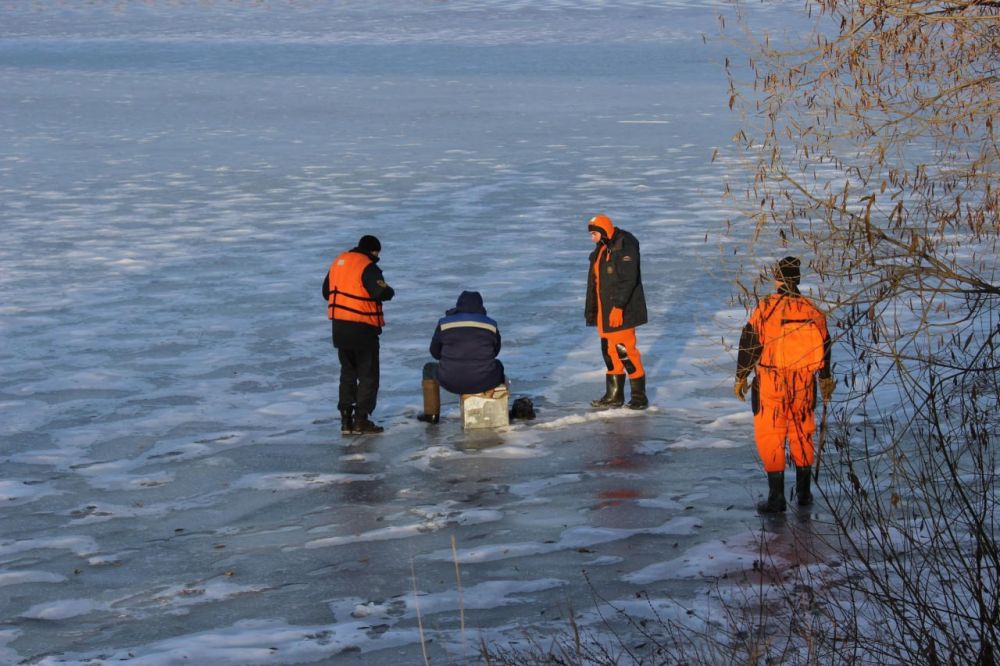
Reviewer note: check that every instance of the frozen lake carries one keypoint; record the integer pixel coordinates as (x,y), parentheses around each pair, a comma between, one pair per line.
(175,179)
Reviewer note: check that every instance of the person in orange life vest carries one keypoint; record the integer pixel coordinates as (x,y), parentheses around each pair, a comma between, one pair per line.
(355,290)
(785,343)
(616,304)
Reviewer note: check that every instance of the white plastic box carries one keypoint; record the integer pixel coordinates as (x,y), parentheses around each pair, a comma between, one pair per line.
(486,410)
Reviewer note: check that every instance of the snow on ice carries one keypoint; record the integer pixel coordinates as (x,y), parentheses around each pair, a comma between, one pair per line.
(176,178)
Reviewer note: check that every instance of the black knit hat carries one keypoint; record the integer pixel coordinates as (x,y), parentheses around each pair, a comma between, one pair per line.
(787,270)
(369,244)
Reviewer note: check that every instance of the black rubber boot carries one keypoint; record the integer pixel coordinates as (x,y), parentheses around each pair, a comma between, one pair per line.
(802,490)
(638,398)
(362,426)
(346,421)
(775,502)
(432,402)
(614,395)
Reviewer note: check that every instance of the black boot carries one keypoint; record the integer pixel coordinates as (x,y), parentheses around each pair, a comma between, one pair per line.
(614,395)
(638,399)
(346,421)
(432,402)
(802,490)
(362,426)
(775,502)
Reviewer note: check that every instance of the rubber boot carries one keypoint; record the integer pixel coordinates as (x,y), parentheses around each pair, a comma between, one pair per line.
(637,387)
(432,402)
(802,490)
(775,502)
(346,421)
(362,426)
(614,395)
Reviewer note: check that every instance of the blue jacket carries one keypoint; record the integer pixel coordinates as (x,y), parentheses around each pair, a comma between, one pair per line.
(466,343)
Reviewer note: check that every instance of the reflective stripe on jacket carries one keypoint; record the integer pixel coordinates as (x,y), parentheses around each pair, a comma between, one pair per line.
(349,300)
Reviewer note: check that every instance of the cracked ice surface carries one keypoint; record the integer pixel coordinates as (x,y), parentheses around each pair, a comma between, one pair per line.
(176,179)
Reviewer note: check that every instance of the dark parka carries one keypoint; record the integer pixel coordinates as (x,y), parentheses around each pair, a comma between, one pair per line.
(466,343)
(621,282)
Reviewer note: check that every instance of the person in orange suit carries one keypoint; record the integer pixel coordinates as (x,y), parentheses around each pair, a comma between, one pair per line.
(616,304)
(785,343)
(355,289)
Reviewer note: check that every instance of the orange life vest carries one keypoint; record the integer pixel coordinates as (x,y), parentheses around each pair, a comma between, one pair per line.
(792,332)
(349,300)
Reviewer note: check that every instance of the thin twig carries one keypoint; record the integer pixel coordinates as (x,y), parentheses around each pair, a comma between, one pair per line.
(416,607)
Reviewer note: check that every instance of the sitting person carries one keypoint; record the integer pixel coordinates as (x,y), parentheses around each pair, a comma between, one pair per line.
(465,343)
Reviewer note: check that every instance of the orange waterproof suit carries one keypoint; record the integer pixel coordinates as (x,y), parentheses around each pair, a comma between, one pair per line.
(786,342)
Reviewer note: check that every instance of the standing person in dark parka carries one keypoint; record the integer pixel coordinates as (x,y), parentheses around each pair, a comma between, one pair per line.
(355,290)
(466,343)
(616,304)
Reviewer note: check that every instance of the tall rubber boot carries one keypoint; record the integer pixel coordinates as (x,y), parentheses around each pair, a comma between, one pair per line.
(432,402)
(638,398)
(614,395)
(346,421)
(775,502)
(802,490)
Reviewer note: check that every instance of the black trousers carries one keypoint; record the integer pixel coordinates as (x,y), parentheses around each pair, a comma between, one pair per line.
(359,372)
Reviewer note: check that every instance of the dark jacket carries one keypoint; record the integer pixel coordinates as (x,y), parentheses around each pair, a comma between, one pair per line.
(621,282)
(353,334)
(466,342)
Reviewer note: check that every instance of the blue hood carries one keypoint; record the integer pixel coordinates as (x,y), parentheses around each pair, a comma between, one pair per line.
(468,301)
